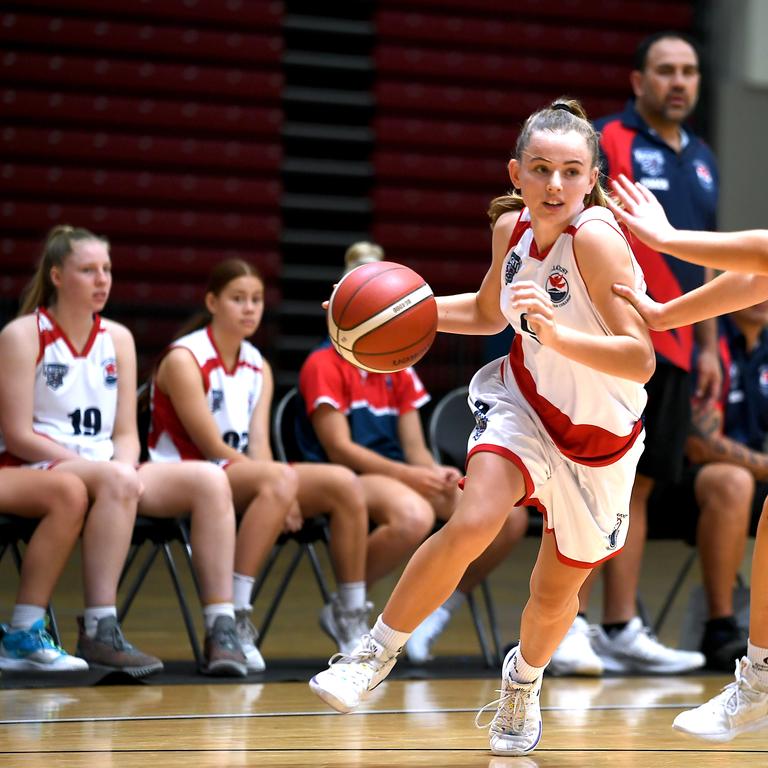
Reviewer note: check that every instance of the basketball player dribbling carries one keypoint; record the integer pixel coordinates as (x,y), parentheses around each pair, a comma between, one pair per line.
(743,704)
(558,419)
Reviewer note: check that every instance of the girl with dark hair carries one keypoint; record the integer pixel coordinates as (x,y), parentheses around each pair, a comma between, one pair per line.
(211,398)
(558,419)
(71,404)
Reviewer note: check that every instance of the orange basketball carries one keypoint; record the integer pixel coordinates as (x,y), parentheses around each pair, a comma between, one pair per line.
(382,317)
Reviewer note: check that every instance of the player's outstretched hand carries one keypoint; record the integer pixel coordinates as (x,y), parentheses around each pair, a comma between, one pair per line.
(641,212)
(651,311)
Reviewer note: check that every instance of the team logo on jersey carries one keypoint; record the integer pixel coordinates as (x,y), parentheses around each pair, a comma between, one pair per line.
(613,537)
(557,287)
(109,368)
(704,175)
(763,380)
(651,161)
(512,267)
(217,400)
(54,374)
(481,418)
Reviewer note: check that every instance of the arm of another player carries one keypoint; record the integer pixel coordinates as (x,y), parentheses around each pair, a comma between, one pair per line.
(480,312)
(125,435)
(18,353)
(178,376)
(745,251)
(626,352)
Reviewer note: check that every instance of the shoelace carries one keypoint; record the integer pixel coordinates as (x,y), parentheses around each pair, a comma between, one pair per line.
(227,638)
(360,666)
(506,719)
(115,636)
(247,633)
(43,640)
(733,691)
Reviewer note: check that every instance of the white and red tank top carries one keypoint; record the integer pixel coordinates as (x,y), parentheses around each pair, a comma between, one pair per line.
(75,392)
(232,396)
(593,417)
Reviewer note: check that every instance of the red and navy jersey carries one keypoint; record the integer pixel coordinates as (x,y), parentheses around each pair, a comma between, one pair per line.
(745,389)
(686,184)
(372,402)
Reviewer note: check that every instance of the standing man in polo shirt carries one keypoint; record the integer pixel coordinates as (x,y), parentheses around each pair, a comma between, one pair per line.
(648,142)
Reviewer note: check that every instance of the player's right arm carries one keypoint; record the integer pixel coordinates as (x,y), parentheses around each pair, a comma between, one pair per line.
(178,376)
(19,346)
(480,312)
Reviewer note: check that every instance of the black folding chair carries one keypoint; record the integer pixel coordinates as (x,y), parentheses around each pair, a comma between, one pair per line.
(159,534)
(313,531)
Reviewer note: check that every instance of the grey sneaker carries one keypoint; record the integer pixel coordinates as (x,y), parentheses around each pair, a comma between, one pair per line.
(249,639)
(109,649)
(223,654)
(345,628)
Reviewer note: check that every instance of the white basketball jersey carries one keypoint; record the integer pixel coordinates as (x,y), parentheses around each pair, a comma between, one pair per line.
(231,395)
(592,416)
(75,396)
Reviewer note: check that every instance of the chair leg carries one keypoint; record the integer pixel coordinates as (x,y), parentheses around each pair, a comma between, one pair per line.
(484,649)
(674,590)
(322,584)
(137,582)
(132,553)
(187,549)
(169,561)
(265,624)
(490,610)
(264,573)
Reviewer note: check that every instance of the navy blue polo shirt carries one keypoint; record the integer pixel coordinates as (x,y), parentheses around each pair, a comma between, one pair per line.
(745,417)
(686,184)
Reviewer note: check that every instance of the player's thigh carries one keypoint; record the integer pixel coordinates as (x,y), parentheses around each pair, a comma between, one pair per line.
(172,488)
(28,492)
(114,477)
(389,501)
(248,479)
(322,486)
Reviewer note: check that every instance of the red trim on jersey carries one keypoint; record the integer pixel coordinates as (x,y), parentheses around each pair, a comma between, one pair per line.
(505,453)
(48,337)
(166,420)
(585,444)
(220,361)
(518,231)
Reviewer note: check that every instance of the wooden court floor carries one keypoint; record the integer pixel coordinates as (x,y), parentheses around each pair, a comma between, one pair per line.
(610,722)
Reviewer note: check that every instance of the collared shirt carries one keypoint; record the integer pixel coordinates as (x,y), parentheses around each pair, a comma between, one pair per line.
(686,184)
(372,402)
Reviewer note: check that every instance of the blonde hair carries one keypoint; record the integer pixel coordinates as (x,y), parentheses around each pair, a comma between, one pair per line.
(362,252)
(59,243)
(561,116)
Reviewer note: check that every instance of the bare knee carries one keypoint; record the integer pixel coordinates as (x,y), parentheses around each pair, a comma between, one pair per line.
(724,492)
(412,520)
(345,492)
(69,500)
(210,487)
(119,482)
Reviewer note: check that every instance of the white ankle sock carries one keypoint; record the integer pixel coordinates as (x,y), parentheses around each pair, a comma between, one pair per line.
(456,600)
(212,611)
(521,671)
(352,595)
(759,658)
(91,617)
(390,638)
(242,587)
(25,615)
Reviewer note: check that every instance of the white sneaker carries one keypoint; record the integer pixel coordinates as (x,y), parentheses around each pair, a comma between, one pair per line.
(575,655)
(738,708)
(350,678)
(635,649)
(249,637)
(345,627)
(516,726)
(419,645)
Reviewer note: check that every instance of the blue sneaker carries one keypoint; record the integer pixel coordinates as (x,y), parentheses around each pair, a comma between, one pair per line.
(34,649)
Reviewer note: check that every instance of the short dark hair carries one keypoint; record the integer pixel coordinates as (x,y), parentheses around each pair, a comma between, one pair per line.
(641,52)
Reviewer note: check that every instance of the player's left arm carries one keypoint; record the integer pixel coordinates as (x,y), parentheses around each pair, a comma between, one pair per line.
(604,259)
(259,446)
(125,435)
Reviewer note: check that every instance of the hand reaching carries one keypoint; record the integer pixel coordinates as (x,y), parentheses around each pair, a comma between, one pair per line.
(651,311)
(641,212)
